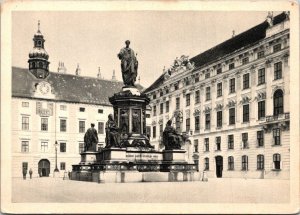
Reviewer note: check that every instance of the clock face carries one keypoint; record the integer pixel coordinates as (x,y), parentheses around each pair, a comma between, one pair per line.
(44,87)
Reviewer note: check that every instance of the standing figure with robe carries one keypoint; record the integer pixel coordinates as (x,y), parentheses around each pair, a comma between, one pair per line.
(91,139)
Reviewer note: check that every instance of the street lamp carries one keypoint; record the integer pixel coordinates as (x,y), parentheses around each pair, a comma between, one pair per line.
(56,171)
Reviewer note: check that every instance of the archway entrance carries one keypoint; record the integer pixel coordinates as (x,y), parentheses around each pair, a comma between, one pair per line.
(44,168)
(219,166)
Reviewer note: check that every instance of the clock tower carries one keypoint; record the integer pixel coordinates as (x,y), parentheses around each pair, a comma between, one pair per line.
(38,57)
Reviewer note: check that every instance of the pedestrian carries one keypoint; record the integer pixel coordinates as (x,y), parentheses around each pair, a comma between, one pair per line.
(24,173)
(30,173)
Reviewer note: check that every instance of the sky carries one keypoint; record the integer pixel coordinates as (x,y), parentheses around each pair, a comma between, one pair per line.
(93,39)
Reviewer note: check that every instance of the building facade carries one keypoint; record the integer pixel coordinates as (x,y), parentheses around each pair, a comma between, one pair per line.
(51,112)
(233,102)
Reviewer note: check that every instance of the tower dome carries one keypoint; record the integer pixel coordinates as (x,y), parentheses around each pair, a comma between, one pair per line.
(38,57)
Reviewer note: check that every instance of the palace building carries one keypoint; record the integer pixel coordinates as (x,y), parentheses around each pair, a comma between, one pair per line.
(233,101)
(51,112)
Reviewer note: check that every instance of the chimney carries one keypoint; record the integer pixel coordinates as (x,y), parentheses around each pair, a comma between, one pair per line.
(113,76)
(233,33)
(78,70)
(61,67)
(99,73)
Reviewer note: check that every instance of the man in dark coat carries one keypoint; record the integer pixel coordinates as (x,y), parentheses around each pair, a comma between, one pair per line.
(91,139)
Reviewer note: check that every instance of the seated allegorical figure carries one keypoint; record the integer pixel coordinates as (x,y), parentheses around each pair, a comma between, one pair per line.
(112,138)
(171,138)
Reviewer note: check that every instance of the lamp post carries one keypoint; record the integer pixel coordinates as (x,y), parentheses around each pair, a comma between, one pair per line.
(56,171)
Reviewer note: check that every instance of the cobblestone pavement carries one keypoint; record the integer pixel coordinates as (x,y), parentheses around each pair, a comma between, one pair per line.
(214,191)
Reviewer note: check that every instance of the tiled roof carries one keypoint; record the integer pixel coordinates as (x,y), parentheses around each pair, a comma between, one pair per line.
(66,87)
(237,42)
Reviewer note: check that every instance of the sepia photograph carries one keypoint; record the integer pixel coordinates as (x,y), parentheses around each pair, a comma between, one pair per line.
(160,107)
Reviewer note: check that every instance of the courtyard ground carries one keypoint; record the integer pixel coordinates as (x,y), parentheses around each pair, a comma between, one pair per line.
(217,190)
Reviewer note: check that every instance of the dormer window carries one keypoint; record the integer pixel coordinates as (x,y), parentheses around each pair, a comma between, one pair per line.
(231,66)
(245,60)
(277,47)
(81,109)
(207,75)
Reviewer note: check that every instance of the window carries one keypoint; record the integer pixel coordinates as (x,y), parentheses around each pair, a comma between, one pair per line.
(245,140)
(232,85)
(177,103)
(219,71)
(246,81)
(206,144)
(260,138)
(44,146)
(207,121)
(261,76)
(188,124)
(25,165)
(219,119)
(178,124)
(246,113)
(260,54)
(161,108)
(81,126)
(197,123)
(100,111)
(218,143)
(81,147)
(277,47)
(63,107)
(231,66)
(187,82)
(207,75)
(25,104)
(148,131)
(197,97)
(24,146)
(197,79)
(100,127)
(261,109)
(277,70)
(230,141)
(62,166)
(63,125)
(276,136)
(161,129)
(196,146)
(245,60)
(154,96)
(231,116)
(260,162)
(154,110)
(161,93)
(230,163)
(62,147)
(187,100)
(25,123)
(276,161)
(154,132)
(167,106)
(148,116)
(207,93)
(278,102)
(245,162)
(206,163)
(167,91)
(44,124)
(81,109)
(176,87)
(219,89)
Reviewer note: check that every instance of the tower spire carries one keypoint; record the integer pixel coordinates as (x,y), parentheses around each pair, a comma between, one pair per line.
(39,25)
(99,73)
(113,76)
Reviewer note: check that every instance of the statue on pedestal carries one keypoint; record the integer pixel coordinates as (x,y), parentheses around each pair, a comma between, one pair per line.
(129,65)
(91,139)
(112,138)
(171,138)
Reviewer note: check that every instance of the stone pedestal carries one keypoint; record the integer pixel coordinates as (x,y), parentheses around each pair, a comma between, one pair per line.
(88,157)
(174,156)
(114,155)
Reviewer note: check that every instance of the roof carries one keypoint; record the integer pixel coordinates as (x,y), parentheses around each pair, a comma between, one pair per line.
(251,36)
(67,87)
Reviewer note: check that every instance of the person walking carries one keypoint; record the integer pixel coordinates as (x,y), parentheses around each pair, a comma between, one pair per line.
(30,173)
(24,173)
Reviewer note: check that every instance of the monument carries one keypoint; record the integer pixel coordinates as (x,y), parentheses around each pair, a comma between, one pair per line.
(128,155)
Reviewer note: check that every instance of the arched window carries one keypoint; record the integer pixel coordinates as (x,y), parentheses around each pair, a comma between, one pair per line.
(260,162)
(33,64)
(40,65)
(278,102)
(276,161)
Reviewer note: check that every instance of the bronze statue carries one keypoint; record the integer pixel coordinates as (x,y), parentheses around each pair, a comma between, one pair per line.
(112,138)
(91,139)
(171,138)
(129,65)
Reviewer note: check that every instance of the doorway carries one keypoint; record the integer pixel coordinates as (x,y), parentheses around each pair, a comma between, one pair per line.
(219,166)
(44,168)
